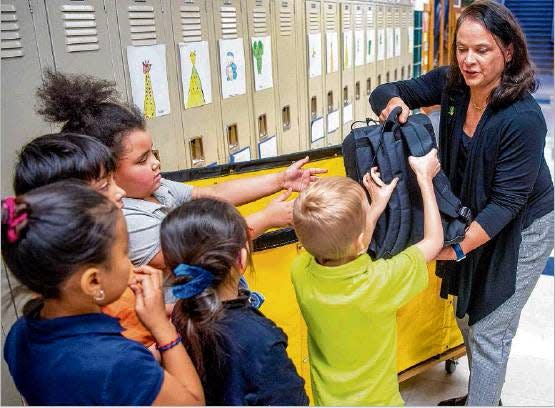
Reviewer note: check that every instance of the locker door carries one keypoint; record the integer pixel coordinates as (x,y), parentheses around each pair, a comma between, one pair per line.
(348,72)
(260,64)
(389,43)
(360,100)
(397,53)
(371,64)
(199,93)
(80,38)
(21,75)
(315,59)
(230,32)
(380,44)
(333,74)
(142,25)
(286,79)
(407,30)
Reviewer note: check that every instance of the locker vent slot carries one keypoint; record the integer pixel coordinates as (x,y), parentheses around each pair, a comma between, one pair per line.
(285,19)
(80,28)
(346,18)
(314,18)
(389,19)
(370,17)
(142,25)
(359,23)
(228,16)
(191,28)
(330,18)
(11,38)
(259,20)
(380,18)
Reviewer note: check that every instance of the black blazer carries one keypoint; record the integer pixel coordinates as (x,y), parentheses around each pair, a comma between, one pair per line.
(506,183)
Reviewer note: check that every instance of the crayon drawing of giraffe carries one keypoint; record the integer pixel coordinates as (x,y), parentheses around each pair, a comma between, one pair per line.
(149,106)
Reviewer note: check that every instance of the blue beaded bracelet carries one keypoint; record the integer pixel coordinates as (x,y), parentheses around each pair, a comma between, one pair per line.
(170,345)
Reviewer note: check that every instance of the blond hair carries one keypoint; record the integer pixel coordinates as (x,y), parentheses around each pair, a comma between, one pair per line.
(329,217)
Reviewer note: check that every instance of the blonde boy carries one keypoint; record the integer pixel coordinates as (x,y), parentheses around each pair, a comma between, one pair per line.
(348,301)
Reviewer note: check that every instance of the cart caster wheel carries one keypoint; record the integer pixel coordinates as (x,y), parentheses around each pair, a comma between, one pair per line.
(451,366)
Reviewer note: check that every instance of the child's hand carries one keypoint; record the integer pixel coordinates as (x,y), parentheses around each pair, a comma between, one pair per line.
(425,167)
(380,193)
(280,212)
(150,307)
(296,178)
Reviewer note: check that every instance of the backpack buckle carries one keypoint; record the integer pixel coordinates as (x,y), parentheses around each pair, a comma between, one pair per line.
(465,214)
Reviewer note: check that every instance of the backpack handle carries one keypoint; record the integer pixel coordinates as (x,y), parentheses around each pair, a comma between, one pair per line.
(391,124)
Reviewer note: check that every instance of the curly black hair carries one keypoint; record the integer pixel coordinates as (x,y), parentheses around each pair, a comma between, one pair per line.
(89,106)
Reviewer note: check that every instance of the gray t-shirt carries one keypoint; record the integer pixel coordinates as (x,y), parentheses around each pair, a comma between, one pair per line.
(144,218)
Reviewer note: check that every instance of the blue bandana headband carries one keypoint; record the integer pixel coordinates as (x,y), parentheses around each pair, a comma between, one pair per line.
(200,280)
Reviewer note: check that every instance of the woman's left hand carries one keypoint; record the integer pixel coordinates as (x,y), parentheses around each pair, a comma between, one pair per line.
(446,254)
(297,179)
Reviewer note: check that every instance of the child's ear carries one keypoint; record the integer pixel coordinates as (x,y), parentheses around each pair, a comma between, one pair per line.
(361,244)
(243,260)
(90,283)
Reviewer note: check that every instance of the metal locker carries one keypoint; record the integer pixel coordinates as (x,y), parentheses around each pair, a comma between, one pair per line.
(390,60)
(315,71)
(21,64)
(397,58)
(407,41)
(332,90)
(360,100)
(370,82)
(380,43)
(260,65)
(231,34)
(143,23)
(347,72)
(81,41)
(196,48)
(286,79)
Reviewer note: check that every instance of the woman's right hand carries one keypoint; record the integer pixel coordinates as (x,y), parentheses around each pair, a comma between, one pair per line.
(392,104)
(147,285)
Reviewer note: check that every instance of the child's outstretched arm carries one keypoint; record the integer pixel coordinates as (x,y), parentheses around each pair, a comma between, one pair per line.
(181,385)
(425,168)
(249,189)
(380,193)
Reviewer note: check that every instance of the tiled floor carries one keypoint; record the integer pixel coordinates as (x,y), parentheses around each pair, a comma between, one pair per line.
(530,380)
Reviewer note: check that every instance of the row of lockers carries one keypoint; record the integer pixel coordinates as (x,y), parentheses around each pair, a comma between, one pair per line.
(324,57)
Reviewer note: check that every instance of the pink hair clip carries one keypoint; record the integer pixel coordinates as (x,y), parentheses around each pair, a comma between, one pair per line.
(13,221)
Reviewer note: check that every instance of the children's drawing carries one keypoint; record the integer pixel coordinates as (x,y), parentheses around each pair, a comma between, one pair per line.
(195,74)
(371,46)
(232,67)
(268,148)
(389,42)
(381,45)
(315,54)
(149,82)
(359,48)
(397,42)
(332,52)
(262,62)
(317,130)
(149,104)
(347,49)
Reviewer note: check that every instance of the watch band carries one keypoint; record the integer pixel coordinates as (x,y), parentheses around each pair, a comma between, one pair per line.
(458,252)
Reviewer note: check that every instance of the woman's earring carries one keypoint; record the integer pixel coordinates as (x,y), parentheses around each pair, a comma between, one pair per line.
(100,295)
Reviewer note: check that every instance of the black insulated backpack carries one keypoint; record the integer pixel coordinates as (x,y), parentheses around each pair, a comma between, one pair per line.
(388,147)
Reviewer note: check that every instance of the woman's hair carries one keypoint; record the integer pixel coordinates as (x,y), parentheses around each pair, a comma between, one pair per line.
(55,230)
(89,106)
(61,156)
(518,76)
(209,234)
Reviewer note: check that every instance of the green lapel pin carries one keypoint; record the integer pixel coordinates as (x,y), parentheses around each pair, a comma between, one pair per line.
(451,110)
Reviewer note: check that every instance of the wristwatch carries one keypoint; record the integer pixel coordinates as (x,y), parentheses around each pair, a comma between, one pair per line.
(458,252)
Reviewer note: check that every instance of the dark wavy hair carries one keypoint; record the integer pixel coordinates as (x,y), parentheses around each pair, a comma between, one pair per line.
(61,156)
(518,76)
(88,106)
(68,226)
(208,233)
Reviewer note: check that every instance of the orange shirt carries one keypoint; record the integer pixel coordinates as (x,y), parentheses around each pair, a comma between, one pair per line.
(124,310)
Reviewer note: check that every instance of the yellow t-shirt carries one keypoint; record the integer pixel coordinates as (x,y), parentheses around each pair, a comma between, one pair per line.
(350,311)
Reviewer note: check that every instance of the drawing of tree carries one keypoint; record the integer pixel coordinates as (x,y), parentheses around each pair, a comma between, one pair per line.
(257,52)
(196,94)
(149,105)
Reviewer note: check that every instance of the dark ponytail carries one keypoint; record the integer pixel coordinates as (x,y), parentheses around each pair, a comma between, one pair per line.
(209,234)
(89,106)
(51,232)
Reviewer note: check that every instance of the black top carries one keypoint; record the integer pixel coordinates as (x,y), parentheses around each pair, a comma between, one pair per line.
(505,182)
(256,370)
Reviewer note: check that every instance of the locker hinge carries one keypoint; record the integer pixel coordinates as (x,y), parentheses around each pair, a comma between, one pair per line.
(30,6)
